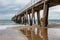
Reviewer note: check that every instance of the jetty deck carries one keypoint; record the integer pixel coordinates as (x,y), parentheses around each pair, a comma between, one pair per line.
(30,10)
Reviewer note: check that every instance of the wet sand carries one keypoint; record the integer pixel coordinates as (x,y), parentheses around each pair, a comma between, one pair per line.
(19,33)
(11,35)
(54,33)
(52,30)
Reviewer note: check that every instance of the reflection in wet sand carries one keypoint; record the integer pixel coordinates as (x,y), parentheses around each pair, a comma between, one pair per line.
(35,34)
(43,34)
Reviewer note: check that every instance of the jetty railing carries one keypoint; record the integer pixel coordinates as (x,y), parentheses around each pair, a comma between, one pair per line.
(29,5)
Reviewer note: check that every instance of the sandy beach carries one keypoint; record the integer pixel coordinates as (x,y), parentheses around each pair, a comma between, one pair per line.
(11,35)
(15,33)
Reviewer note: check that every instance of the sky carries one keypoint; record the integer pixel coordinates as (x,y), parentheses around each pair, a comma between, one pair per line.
(54,12)
(9,8)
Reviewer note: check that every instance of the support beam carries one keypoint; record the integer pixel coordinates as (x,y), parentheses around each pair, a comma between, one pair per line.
(44,19)
(38,17)
(33,16)
(19,19)
(27,17)
(44,22)
(45,14)
(23,19)
(16,19)
(34,20)
(30,20)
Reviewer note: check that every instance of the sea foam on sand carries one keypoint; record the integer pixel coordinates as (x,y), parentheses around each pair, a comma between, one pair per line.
(2,27)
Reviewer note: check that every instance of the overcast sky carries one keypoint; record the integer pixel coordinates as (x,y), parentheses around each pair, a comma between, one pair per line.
(8,8)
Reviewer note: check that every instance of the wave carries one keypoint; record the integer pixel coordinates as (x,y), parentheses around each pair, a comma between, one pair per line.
(2,27)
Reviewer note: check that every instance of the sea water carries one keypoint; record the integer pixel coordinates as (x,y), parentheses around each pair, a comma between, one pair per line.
(8,23)
(52,21)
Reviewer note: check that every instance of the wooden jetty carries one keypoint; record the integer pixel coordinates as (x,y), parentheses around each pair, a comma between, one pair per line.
(22,17)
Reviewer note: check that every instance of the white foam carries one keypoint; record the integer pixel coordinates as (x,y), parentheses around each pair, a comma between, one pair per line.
(2,27)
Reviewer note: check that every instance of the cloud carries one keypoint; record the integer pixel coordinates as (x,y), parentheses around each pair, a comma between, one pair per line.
(6,16)
(54,12)
(8,8)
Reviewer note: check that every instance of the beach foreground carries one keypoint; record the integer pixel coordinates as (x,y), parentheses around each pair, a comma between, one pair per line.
(24,33)
(53,32)
(11,35)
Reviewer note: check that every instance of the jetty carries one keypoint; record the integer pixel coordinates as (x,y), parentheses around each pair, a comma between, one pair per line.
(42,25)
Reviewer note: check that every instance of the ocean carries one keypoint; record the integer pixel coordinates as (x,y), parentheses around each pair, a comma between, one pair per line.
(54,21)
(8,23)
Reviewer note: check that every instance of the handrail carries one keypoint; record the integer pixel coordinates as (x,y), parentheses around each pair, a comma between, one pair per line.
(29,5)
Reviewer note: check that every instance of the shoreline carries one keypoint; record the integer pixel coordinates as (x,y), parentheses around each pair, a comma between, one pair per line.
(49,25)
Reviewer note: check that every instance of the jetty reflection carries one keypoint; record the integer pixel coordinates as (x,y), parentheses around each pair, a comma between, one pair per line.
(35,33)
(41,33)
